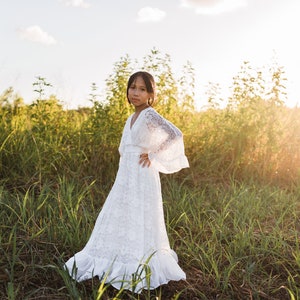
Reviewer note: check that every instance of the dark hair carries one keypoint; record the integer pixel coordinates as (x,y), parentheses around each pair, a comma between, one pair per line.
(149,82)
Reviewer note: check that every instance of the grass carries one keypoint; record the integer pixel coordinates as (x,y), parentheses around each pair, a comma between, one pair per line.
(234,242)
(232,217)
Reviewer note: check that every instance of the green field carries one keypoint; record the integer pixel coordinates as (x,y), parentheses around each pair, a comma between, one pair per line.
(233,217)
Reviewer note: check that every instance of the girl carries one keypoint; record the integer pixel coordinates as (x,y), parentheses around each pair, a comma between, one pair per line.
(129,247)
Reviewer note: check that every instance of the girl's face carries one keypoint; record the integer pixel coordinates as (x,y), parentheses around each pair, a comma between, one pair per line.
(137,93)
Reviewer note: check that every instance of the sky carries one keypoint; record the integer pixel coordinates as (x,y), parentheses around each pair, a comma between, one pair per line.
(74,43)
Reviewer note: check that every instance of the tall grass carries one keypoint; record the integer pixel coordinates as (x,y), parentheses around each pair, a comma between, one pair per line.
(232,217)
(220,144)
(242,240)
(234,242)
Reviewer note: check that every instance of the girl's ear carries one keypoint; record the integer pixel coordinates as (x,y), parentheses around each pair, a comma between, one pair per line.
(151,100)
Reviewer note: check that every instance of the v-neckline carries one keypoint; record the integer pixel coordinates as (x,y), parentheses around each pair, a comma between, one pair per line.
(131,125)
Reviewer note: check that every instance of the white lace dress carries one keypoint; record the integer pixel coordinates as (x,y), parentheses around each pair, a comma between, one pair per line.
(129,247)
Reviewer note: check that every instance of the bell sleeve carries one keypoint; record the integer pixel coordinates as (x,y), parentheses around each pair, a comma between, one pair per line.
(166,150)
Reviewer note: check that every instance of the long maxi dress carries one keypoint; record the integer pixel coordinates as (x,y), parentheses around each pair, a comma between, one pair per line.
(130,232)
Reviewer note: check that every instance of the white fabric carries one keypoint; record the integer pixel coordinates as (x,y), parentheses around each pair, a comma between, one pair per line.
(163,141)
(130,231)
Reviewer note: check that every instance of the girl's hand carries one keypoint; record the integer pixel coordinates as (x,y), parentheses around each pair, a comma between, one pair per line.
(144,160)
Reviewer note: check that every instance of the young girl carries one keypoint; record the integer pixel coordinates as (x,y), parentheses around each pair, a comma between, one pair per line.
(129,247)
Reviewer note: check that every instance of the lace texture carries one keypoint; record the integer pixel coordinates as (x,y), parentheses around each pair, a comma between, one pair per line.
(130,229)
(158,137)
(157,123)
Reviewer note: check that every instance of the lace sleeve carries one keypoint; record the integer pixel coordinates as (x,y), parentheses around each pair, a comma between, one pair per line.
(167,150)
(156,122)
